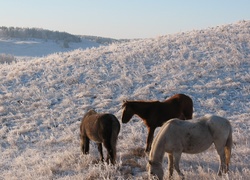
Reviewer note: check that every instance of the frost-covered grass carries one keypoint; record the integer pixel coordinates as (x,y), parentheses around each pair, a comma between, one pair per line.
(43,100)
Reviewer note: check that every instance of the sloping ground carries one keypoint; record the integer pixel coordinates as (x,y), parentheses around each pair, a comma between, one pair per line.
(42,102)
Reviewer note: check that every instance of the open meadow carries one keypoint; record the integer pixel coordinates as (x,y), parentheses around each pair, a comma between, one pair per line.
(43,99)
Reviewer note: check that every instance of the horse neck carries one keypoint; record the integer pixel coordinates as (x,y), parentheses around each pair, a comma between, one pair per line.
(158,149)
(140,108)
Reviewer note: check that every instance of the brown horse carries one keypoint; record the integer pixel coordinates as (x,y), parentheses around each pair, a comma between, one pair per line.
(100,128)
(155,113)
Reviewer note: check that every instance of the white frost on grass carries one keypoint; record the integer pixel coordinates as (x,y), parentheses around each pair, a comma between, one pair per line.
(43,100)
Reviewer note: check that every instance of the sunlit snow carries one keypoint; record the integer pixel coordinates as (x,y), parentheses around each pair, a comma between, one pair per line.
(43,99)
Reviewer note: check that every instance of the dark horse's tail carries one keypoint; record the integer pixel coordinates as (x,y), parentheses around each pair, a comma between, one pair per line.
(114,137)
(228,148)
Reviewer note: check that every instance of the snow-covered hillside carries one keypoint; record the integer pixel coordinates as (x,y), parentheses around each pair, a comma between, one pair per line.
(43,100)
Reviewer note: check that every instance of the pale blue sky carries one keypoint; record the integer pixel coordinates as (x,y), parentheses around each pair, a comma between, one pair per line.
(122,18)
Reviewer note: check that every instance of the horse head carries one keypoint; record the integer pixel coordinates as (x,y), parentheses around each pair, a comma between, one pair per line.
(127,112)
(155,170)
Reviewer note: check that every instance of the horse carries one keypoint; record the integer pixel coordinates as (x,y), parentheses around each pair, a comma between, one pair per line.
(193,136)
(155,113)
(100,128)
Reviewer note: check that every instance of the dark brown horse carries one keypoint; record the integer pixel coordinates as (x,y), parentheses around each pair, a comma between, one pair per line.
(155,113)
(100,128)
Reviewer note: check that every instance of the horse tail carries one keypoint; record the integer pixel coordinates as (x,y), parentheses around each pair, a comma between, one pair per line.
(228,149)
(114,137)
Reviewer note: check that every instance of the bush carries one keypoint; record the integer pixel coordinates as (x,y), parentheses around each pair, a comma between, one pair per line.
(6,58)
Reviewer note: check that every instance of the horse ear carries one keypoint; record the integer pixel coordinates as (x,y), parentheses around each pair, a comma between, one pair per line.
(124,102)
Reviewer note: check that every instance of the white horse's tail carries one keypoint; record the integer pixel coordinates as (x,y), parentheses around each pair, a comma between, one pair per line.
(228,149)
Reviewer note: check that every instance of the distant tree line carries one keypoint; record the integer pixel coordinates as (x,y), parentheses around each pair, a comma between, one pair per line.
(101,40)
(38,33)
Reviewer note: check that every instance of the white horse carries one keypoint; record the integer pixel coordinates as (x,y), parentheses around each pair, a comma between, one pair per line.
(191,136)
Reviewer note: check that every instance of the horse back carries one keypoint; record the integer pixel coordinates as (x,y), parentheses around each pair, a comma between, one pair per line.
(181,105)
(187,136)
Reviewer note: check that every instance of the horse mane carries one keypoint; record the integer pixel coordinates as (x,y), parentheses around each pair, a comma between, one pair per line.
(126,102)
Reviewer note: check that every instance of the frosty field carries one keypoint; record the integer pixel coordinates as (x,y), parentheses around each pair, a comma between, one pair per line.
(42,101)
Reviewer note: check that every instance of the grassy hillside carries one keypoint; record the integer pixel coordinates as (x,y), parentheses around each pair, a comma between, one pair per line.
(43,100)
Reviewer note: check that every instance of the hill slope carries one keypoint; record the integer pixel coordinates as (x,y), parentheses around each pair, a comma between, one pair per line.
(42,102)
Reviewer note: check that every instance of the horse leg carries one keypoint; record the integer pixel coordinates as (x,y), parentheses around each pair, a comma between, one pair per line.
(100,150)
(150,139)
(82,144)
(85,144)
(177,157)
(110,154)
(221,152)
(222,163)
(170,165)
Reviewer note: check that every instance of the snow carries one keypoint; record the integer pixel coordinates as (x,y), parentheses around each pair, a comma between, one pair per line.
(43,99)
(38,47)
